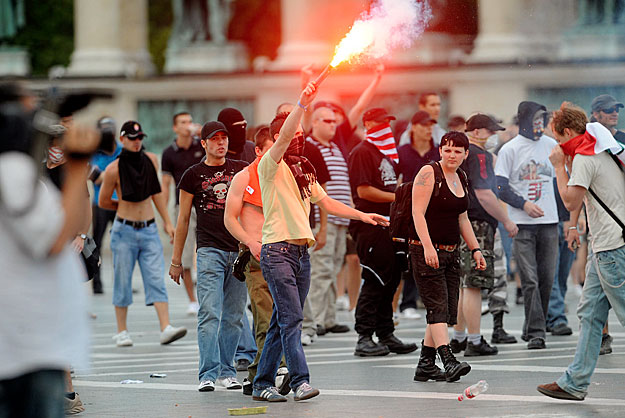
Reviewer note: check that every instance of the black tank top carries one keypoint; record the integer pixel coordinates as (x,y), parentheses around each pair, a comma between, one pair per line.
(442,214)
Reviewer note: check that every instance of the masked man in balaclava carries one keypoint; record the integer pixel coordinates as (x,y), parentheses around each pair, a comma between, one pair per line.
(525,179)
(239,148)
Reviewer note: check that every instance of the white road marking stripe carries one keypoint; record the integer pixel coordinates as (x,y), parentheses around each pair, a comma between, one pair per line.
(366,393)
(513,368)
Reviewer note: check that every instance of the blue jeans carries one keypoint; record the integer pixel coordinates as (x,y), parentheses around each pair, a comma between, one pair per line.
(536,251)
(555,313)
(603,289)
(246,349)
(38,394)
(128,246)
(220,319)
(286,268)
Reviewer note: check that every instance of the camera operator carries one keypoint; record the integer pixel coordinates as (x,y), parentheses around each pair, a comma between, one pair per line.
(42,275)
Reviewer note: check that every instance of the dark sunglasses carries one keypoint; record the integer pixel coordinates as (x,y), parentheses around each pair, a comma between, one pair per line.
(134,139)
(329,120)
(610,110)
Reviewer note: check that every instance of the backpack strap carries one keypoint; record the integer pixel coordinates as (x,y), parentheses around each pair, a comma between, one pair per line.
(464,180)
(438,177)
(609,211)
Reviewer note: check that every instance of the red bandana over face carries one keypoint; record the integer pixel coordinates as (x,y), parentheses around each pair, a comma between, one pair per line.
(382,137)
(595,140)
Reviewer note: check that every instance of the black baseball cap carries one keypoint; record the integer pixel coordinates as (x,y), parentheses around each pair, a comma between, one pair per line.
(422,118)
(377,114)
(604,101)
(481,120)
(211,128)
(131,129)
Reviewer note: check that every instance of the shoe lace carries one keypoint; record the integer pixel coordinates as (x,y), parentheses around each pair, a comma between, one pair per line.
(304,387)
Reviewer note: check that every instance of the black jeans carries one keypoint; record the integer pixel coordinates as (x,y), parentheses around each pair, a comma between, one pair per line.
(33,395)
(100,221)
(374,311)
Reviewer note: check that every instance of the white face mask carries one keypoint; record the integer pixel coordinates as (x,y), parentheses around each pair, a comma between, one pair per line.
(56,155)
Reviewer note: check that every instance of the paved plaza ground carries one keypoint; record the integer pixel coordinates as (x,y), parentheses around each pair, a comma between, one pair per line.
(350,386)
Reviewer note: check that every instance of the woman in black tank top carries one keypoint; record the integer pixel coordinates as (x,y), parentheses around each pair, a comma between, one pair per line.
(439,211)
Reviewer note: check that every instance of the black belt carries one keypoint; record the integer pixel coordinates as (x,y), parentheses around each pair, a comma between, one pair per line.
(449,247)
(136,224)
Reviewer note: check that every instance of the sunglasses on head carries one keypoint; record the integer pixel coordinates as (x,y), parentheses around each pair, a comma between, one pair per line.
(610,110)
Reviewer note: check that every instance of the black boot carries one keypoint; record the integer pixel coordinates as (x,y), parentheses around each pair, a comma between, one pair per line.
(395,345)
(500,336)
(367,348)
(427,368)
(454,370)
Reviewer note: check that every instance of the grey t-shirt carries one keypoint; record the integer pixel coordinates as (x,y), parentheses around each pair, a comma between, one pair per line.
(601,173)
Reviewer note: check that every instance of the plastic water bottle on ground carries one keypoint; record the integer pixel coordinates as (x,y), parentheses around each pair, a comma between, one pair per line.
(474,390)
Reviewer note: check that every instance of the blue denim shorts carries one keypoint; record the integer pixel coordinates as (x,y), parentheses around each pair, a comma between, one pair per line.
(130,245)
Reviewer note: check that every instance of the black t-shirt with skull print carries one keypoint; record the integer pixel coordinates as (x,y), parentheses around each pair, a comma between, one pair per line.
(209,186)
(368,166)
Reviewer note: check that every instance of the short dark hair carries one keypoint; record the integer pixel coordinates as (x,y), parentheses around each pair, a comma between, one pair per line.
(455,139)
(423,97)
(179,114)
(262,135)
(276,123)
(283,104)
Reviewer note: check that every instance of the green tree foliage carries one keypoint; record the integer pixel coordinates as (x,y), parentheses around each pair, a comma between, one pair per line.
(48,35)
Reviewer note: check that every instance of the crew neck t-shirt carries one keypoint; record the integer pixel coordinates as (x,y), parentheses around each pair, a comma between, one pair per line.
(175,161)
(368,166)
(209,186)
(286,213)
(601,173)
(481,175)
(525,163)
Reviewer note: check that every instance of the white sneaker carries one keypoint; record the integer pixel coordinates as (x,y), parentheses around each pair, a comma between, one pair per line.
(123,339)
(306,340)
(342,303)
(206,386)
(410,313)
(171,334)
(229,382)
(193,308)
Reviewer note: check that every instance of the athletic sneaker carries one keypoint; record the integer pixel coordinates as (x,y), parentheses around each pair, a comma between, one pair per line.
(269,394)
(73,406)
(305,391)
(122,339)
(342,303)
(193,308)
(306,339)
(410,313)
(230,382)
(247,387)
(283,380)
(206,386)
(171,334)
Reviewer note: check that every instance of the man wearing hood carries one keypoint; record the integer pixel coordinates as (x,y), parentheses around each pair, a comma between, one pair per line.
(525,181)
(239,148)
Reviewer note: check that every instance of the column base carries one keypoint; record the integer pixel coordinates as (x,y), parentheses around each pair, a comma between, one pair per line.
(14,61)
(207,58)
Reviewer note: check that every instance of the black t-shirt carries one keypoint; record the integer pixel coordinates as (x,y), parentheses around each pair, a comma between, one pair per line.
(620,137)
(247,154)
(368,166)
(410,162)
(481,175)
(313,155)
(345,138)
(209,186)
(175,161)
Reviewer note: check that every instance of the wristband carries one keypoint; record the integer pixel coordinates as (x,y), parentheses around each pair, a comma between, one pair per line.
(572,227)
(302,106)
(473,251)
(176,265)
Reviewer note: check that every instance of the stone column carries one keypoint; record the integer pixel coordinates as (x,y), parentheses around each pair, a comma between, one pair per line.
(110,38)
(311,29)
(499,39)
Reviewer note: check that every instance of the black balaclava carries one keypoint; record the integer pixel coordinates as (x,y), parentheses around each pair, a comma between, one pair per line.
(303,171)
(236,133)
(533,119)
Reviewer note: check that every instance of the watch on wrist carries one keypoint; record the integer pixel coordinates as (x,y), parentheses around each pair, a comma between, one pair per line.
(473,251)
(83,236)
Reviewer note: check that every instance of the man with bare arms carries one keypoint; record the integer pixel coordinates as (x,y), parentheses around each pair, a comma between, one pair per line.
(134,236)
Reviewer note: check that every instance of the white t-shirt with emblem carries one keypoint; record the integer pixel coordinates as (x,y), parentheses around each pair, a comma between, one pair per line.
(525,163)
